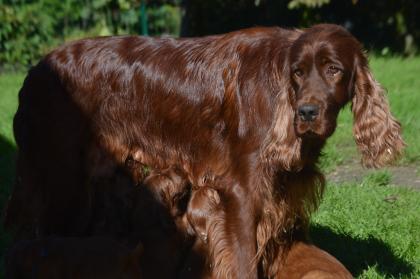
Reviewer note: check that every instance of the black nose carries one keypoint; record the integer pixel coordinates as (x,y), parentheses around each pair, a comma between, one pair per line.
(308,112)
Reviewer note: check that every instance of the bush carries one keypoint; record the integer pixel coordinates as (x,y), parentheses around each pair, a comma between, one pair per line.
(165,19)
(25,34)
(30,28)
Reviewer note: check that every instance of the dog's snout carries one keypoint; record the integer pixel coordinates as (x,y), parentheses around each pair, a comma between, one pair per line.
(308,112)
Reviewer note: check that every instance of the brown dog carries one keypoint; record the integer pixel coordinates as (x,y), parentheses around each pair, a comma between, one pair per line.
(305,261)
(256,106)
(82,258)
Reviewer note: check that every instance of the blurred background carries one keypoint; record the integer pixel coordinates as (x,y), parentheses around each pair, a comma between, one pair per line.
(29,28)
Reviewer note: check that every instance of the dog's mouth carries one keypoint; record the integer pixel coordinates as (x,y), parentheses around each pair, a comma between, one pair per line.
(310,134)
(314,130)
(305,129)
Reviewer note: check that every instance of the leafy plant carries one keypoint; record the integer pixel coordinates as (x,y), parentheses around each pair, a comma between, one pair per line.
(307,3)
(25,34)
(29,29)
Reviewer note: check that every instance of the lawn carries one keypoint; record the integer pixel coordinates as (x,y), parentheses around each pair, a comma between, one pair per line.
(371,226)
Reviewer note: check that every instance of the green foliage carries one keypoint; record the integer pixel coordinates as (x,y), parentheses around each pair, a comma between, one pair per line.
(29,29)
(25,33)
(165,19)
(307,3)
(386,26)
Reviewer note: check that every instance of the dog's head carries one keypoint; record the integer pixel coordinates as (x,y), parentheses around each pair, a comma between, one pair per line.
(325,69)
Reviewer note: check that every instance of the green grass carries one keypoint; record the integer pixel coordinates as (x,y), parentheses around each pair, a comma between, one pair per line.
(373,228)
(9,87)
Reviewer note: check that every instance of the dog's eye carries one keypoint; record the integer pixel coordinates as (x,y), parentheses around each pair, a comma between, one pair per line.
(333,70)
(298,72)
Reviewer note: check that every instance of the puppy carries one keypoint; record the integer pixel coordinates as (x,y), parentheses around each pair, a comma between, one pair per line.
(160,201)
(169,187)
(82,258)
(305,261)
(205,220)
(203,208)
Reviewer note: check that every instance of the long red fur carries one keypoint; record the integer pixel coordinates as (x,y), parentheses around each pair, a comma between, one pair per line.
(216,106)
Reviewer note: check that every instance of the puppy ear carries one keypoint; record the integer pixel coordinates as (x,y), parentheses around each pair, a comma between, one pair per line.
(282,147)
(377,133)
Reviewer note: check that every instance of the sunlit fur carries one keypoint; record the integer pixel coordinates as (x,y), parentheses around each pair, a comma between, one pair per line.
(220,106)
(376,132)
(206,218)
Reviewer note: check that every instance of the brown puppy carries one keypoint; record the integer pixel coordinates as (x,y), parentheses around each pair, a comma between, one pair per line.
(206,220)
(81,258)
(203,209)
(168,187)
(305,261)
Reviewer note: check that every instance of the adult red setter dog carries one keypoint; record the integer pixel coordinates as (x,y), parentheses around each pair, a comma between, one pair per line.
(253,107)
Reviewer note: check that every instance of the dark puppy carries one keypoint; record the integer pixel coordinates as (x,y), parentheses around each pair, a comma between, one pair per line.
(159,202)
(82,258)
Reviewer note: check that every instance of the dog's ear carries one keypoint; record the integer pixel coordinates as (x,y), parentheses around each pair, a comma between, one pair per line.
(282,147)
(377,133)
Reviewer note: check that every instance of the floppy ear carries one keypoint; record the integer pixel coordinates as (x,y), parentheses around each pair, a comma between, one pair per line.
(376,132)
(282,147)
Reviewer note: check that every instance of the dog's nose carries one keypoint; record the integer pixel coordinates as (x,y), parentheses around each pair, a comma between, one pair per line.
(308,112)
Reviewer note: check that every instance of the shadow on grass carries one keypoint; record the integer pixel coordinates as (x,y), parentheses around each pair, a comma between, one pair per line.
(358,254)
(7,168)
(7,173)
